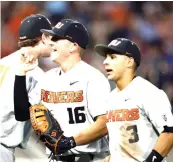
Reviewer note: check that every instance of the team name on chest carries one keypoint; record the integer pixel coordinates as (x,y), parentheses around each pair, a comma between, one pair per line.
(123,115)
(62,97)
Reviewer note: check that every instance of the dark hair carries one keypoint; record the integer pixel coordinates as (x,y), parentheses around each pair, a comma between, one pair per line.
(29,42)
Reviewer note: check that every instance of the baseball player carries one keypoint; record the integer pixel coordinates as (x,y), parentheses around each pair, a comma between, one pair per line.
(75,92)
(139,118)
(14,133)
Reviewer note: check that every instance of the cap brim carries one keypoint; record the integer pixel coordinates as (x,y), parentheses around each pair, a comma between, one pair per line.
(103,50)
(50,32)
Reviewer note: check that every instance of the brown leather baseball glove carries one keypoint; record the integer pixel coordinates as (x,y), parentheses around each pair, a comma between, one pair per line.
(46,126)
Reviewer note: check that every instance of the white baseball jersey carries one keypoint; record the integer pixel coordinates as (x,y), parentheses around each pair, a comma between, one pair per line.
(75,98)
(12,132)
(134,117)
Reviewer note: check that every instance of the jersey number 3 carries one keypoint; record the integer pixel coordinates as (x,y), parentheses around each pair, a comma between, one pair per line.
(134,133)
(77,115)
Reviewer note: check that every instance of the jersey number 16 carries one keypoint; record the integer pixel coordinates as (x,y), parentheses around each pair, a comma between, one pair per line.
(76,115)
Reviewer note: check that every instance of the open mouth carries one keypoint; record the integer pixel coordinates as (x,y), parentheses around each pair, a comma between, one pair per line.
(108,70)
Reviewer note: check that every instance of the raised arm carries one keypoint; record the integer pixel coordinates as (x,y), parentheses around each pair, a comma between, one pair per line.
(22,85)
(21,101)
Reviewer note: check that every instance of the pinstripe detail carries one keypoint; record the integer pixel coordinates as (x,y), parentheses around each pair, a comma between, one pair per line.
(3,72)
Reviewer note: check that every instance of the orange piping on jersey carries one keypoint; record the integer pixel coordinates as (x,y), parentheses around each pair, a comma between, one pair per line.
(3,72)
(123,115)
(61,97)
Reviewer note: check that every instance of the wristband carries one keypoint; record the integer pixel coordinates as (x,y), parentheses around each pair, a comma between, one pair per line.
(72,142)
(154,156)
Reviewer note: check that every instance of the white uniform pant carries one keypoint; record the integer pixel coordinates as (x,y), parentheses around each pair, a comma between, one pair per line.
(6,154)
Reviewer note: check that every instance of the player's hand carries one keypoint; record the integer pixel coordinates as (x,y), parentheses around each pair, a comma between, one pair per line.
(31,52)
(26,63)
(107,159)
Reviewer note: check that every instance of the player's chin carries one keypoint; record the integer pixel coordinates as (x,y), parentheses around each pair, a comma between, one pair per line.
(53,56)
(110,77)
(47,52)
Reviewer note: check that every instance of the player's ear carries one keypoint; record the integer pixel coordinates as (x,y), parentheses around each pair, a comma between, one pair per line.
(73,48)
(45,38)
(130,62)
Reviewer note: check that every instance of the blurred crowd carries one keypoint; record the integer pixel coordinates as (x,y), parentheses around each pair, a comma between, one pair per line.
(149,24)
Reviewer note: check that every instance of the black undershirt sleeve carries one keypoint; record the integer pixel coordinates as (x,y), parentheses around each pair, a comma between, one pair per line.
(21,100)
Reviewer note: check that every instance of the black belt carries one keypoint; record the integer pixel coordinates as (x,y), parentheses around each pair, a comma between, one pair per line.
(67,158)
(71,158)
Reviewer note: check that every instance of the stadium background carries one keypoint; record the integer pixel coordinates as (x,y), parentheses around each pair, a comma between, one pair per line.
(149,24)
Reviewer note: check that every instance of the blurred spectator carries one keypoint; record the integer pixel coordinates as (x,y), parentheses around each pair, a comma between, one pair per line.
(56,10)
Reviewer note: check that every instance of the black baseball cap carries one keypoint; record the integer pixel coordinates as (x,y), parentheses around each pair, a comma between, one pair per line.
(71,30)
(121,46)
(31,25)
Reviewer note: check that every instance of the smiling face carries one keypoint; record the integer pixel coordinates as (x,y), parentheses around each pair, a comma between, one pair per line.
(60,50)
(115,66)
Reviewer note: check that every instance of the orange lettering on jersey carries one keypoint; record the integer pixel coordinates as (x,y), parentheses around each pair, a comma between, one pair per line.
(61,97)
(125,113)
(118,115)
(122,115)
(55,97)
(50,97)
(135,113)
(109,115)
(44,95)
(70,97)
(79,96)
